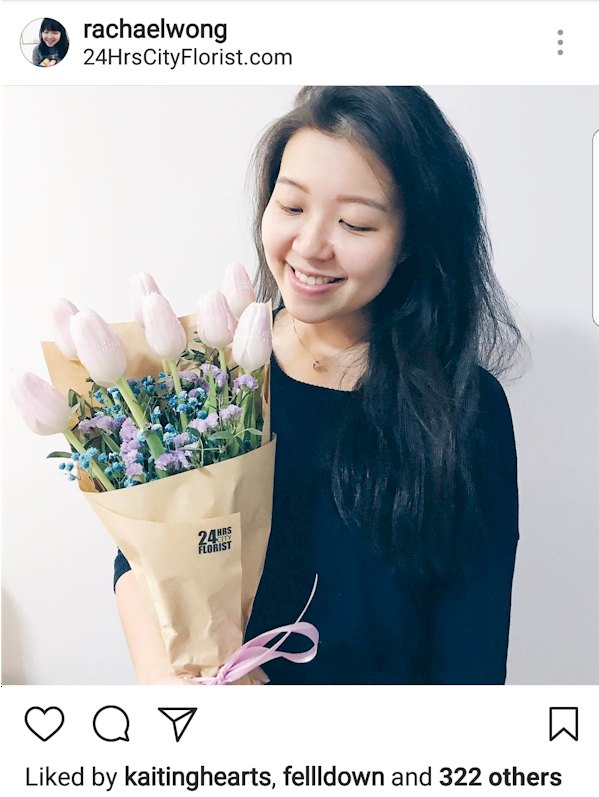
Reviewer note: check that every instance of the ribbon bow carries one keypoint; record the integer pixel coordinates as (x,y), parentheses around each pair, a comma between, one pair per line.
(254,653)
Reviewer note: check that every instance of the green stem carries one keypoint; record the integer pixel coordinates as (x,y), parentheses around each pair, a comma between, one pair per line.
(96,470)
(154,443)
(243,420)
(222,360)
(252,422)
(172,366)
(211,400)
(223,367)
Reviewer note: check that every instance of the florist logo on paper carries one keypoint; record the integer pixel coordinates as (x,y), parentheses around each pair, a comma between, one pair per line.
(215,540)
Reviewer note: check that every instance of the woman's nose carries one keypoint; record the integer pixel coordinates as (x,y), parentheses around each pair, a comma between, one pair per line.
(313,241)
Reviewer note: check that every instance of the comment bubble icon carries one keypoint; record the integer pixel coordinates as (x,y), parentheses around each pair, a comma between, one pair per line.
(111,724)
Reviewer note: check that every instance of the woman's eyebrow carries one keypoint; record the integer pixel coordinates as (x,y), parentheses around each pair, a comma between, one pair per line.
(361,200)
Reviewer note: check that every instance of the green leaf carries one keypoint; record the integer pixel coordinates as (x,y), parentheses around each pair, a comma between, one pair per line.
(73,398)
(110,443)
(221,436)
(254,431)
(55,454)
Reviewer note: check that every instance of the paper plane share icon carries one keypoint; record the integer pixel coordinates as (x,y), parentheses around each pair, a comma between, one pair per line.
(180,717)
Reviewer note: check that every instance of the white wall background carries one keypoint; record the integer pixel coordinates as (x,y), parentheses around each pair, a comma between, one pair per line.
(102,182)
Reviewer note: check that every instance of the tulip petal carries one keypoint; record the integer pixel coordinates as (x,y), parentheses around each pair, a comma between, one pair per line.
(62,312)
(215,322)
(43,408)
(140,286)
(98,347)
(164,331)
(252,344)
(238,289)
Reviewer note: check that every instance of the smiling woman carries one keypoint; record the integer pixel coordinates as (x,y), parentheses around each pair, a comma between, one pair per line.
(53,43)
(336,234)
(395,477)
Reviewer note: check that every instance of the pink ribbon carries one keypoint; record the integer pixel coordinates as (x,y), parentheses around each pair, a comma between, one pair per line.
(254,653)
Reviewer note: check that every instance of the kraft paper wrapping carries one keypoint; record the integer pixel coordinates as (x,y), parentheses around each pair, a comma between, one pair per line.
(196,542)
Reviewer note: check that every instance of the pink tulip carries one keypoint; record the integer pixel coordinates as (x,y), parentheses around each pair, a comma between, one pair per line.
(44,409)
(98,347)
(252,344)
(237,288)
(62,312)
(164,332)
(141,285)
(216,324)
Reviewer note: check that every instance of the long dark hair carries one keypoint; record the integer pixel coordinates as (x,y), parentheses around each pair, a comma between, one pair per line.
(405,482)
(63,45)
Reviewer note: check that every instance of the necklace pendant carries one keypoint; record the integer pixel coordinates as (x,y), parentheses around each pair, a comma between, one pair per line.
(316,365)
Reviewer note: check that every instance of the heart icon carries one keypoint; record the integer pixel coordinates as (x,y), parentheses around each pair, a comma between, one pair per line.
(44,722)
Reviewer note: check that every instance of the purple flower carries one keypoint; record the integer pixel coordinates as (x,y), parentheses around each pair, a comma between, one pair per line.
(103,423)
(181,440)
(179,460)
(134,469)
(128,446)
(186,376)
(205,424)
(200,391)
(230,413)
(245,380)
(129,430)
(220,377)
(130,455)
(191,376)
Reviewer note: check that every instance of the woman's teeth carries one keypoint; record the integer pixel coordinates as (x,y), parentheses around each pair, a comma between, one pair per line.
(313,280)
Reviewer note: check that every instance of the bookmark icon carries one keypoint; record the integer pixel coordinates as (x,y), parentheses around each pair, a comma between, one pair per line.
(563,719)
(180,717)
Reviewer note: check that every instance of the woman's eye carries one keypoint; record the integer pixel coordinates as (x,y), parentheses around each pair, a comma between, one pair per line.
(292,211)
(355,228)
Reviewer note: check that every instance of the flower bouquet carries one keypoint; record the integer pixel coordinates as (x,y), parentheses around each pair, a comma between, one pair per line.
(168,423)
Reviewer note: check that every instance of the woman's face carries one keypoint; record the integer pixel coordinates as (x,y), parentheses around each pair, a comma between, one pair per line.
(332,229)
(51,37)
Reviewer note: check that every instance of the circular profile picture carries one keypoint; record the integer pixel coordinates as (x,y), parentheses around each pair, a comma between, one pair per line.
(44,42)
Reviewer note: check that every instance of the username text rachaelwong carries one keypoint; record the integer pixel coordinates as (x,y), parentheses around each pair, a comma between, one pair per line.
(175,54)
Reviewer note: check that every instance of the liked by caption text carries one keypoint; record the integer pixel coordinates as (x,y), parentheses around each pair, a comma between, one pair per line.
(303,775)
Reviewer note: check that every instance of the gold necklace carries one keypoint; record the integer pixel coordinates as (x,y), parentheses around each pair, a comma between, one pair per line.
(316,364)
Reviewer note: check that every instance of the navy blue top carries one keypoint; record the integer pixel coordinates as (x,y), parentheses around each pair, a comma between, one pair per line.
(374,627)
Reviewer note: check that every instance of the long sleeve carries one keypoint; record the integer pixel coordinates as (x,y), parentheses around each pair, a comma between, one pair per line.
(469,621)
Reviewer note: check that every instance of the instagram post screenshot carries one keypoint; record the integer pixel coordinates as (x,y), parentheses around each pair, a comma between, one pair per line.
(300,344)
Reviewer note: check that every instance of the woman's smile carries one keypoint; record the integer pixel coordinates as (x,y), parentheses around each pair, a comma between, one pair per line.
(310,283)
(51,37)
